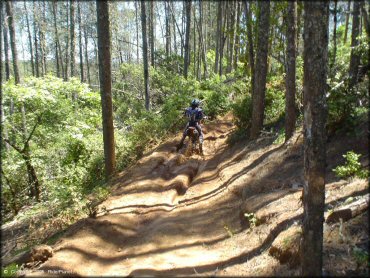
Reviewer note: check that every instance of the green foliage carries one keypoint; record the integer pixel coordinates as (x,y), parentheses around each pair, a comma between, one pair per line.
(242,110)
(10,270)
(352,167)
(280,138)
(361,256)
(275,99)
(251,217)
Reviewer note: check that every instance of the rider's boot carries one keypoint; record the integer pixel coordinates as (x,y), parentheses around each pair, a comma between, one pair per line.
(201,148)
(179,146)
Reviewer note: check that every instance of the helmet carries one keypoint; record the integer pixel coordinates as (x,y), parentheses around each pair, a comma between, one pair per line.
(195,102)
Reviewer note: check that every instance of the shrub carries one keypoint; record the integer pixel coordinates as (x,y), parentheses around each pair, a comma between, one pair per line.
(352,167)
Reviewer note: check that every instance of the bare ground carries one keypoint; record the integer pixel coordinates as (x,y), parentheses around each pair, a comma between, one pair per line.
(172,215)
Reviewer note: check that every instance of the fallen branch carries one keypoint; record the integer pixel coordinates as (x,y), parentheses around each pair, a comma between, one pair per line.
(349,211)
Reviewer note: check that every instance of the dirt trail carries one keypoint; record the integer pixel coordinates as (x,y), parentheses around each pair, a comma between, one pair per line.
(171,215)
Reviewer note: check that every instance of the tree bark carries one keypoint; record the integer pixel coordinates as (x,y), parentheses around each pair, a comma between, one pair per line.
(365,18)
(237,37)
(67,54)
(258,96)
(73,40)
(102,11)
(168,29)
(151,33)
(82,74)
(145,55)
(218,35)
(347,19)
(334,35)
(137,31)
(87,57)
(58,52)
(6,47)
(290,111)
(187,38)
(355,57)
(316,18)
(9,11)
(29,39)
(42,39)
(248,14)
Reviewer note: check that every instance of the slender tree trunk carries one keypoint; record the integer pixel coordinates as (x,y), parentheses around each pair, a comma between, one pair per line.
(355,57)
(87,57)
(290,111)
(347,19)
(223,37)
(218,35)
(258,96)
(9,12)
(6,47)
(365,18)
(73,40)
(82,74)
(334,35)
(250,43)
(43,39)
(230,59)
(67,53)
(29,39)
(201,40)
(173,29)
(316,18)
(58,53)
(168,29)
(137,31)
(237,37)
(151,33)
(145,55)
(187,38)
(102,11)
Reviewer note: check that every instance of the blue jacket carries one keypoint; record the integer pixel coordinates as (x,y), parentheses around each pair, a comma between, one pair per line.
(194,115)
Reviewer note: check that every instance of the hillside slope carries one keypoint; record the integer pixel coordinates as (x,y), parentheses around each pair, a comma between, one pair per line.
(172,215)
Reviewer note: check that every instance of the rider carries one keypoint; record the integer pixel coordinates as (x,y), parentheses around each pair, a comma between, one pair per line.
(195,115)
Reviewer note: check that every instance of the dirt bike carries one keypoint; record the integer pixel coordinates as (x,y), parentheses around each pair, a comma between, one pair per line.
(193,142)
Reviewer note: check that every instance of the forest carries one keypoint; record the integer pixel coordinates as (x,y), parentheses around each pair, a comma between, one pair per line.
(93,95)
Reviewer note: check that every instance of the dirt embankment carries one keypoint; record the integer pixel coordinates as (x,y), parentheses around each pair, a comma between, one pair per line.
(214,215)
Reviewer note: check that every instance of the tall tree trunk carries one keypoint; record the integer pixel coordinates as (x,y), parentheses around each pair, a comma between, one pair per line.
(168,28)
(82,74)
(58,53)
(73,40)
(334,35)
(37,69)
(67,54)
(102,11)
(9,12)
(347,20)
(43,39)
(218,35)
(231,29)
(258,96)
(316,18)
(87,57)
(6,47)
(365,18)
(223,36)
(29,39)
(187,38)
(237,36)
(290,111)
(201,40)
(355,57)
(151,32)
(137,31)
(145,55)
(173,29)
